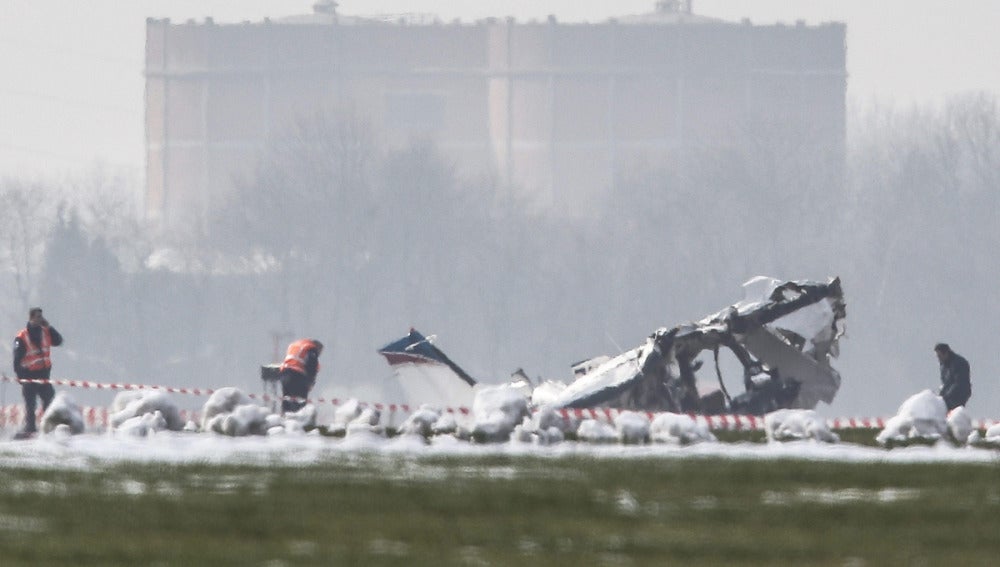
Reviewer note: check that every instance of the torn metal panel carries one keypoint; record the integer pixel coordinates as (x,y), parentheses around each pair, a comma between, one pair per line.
(416,349)
(817,382)
(426,374)
(607,381)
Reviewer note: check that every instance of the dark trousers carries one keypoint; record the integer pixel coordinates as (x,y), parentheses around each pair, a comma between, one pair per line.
(955,397)
(44,391)
(295,385)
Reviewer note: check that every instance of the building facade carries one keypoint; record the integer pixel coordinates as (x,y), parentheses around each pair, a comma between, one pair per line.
(553,112)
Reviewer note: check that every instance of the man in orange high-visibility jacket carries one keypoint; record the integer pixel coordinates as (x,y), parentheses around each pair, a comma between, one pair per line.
(298,372)
(32,362)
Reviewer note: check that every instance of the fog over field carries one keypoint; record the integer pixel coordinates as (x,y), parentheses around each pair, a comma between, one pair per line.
(350,241)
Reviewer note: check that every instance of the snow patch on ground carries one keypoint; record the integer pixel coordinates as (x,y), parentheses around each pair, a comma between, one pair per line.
(129,405)
(421,422)
(797,425)
(922,417)
(366,424)
(992,435)
(347,412)
(496,410)
(633,428)
(231,412)
(960,425)
(63,411)
(593,431)
(542,428)
(142,425)
(222,401)
(679,429)
(300,420)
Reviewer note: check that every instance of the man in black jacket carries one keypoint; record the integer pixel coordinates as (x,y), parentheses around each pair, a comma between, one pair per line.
(956,384)
(32,361)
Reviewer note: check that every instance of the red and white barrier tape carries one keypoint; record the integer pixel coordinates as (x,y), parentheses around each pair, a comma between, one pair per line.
(102,386)
(99,416)
(209,391)
(715,422)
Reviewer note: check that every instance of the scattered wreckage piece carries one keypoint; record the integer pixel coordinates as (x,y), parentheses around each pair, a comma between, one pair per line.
(426,375)
(783,334)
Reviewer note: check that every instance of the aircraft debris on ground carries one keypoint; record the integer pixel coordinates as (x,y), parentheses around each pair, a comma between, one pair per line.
(783,333)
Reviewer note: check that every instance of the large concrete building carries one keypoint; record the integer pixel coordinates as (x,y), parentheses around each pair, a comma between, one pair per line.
(553,111)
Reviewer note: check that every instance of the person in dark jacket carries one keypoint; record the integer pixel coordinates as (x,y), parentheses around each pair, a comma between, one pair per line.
(298,373)
(32,361)
(956,384)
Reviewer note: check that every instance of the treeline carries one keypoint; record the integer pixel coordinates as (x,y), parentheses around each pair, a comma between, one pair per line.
(340,238)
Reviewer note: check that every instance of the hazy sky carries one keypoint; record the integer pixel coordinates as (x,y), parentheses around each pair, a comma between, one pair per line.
(72,87)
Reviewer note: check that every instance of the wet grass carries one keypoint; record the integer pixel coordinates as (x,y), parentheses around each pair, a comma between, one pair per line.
(858,436)
(376,510)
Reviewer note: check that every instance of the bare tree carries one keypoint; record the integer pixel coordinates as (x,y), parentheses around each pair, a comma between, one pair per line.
(26,219)
(105,202)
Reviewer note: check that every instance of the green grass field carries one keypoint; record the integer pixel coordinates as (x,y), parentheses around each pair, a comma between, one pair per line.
(382,510)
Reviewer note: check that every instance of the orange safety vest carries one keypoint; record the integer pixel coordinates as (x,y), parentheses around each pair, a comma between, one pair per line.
(36,357)
(295,358)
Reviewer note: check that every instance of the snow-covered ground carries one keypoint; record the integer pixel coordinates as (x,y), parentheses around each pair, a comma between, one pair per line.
(146,427)
(88,450)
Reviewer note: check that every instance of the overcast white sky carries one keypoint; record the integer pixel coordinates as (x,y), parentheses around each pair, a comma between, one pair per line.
(71,92)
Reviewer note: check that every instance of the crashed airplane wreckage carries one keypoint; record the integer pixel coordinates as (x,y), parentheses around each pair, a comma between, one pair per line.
(783,333)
